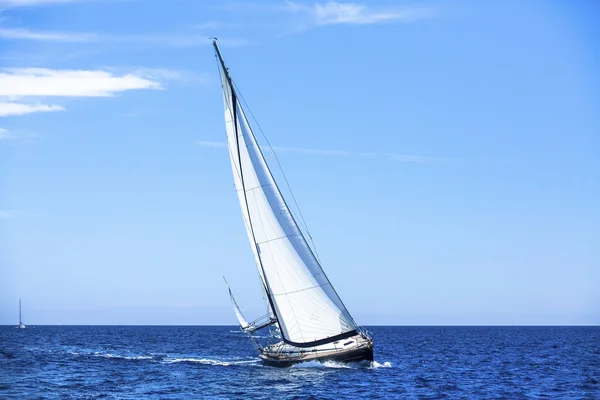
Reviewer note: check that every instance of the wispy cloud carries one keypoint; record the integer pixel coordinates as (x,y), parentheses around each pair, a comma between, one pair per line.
(19,85)
(12,33)
(6,214)
(17,137)
(214,145)
(408,158)
(183,39)
(15,213)
(352,13)
(27,3)
(7,109)
(54,82)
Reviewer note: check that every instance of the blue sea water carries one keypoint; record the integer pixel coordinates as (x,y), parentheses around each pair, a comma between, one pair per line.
(170,362)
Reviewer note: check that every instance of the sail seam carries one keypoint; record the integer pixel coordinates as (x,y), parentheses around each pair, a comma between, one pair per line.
(300,290)
(257,187)
(277,238)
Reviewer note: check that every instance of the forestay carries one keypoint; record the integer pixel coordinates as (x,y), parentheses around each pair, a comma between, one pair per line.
(307,308)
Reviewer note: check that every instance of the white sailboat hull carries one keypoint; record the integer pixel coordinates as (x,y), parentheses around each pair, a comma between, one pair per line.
(355,348)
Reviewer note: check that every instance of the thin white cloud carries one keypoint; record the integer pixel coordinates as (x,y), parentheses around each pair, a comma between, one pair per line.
(8,108)
(78,83)
(163,75)
(19,85)
(338,153)
(215,145)
(6,214)
(154,39)
(352,13)
(12,33)
(15,213)
(27,3)
(413,158)
(409,158)
(18,137)
(174,40)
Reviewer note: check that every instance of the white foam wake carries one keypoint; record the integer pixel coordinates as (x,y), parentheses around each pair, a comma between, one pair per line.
(339,365)
(319,364)
(376,365)
(109,355)
(118,356)
(208,361)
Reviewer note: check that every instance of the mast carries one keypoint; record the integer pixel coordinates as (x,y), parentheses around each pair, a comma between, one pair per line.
(20,319)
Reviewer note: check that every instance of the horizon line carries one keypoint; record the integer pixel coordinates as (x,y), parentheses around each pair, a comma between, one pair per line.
(367,325)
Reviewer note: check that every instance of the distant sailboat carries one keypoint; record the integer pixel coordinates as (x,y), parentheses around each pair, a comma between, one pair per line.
(21,324)
(306,317)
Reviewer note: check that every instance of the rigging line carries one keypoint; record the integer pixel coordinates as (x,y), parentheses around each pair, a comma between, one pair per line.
(274,154)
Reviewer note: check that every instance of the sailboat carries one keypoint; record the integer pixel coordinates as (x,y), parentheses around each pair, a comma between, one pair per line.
(21,324)
(306,318)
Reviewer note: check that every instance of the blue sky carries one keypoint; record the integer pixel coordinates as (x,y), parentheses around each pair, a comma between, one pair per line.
(446,157)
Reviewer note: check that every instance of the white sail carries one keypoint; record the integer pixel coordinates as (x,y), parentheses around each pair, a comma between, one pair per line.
(238,313)
(305,304)
(21,324)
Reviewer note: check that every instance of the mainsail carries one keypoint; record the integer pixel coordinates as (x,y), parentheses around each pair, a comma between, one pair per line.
(308,310)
